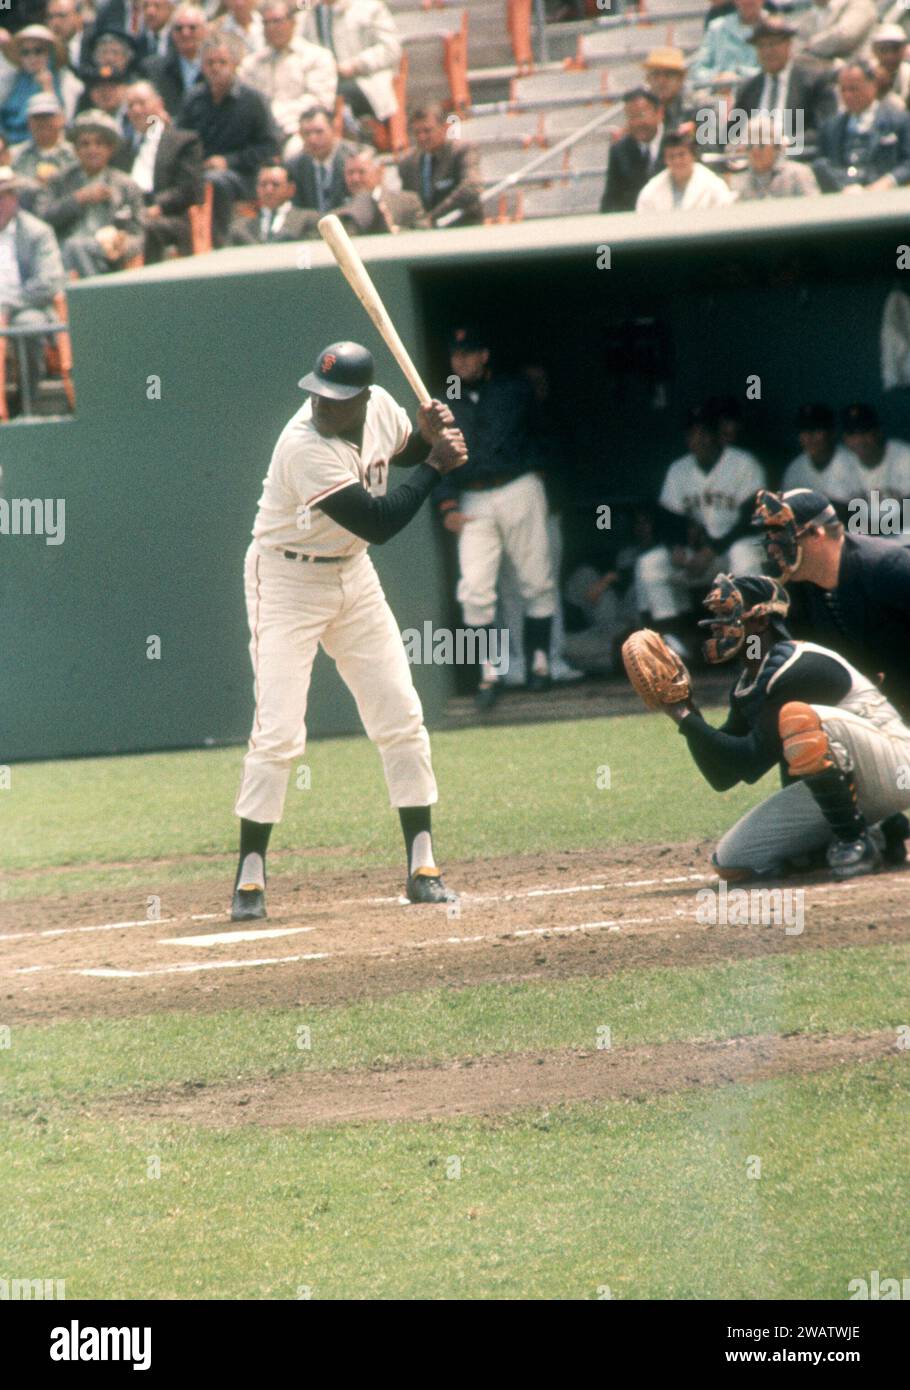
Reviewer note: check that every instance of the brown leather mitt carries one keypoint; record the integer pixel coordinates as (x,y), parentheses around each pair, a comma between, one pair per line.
(655,670)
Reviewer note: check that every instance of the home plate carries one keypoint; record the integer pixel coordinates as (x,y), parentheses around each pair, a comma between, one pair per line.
(227,938)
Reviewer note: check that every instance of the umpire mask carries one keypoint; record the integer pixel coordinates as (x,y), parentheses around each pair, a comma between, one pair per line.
(776,512)
(731,603)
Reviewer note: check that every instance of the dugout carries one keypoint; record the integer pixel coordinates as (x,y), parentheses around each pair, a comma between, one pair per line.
(186,372)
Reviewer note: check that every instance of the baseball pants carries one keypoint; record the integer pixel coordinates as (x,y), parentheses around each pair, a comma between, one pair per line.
(789,823)
(293,608)
(510,520)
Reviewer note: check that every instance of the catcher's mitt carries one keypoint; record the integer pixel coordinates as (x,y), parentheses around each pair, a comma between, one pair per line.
(654,670)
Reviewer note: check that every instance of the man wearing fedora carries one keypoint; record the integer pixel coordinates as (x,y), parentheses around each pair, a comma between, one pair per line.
(796,95)
(31,271)
(95,209)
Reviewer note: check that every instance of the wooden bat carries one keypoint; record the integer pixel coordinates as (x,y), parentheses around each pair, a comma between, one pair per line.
(355,272)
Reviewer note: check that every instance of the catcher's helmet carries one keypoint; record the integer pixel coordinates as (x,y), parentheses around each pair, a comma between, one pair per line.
(734,600)
(342,370)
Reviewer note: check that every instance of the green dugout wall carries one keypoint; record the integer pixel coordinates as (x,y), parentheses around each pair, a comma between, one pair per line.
(160,493)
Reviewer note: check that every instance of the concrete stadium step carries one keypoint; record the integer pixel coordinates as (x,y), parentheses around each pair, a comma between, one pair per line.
(503,131)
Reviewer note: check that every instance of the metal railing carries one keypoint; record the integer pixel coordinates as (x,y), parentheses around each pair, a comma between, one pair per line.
(18,337)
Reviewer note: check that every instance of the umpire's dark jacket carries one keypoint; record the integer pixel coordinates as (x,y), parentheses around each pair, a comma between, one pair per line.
(502,430)
(867,617)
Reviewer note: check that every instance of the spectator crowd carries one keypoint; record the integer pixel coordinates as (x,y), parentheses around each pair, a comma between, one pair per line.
(768,107)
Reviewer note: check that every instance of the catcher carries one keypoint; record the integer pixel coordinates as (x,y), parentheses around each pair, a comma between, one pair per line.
(843,751)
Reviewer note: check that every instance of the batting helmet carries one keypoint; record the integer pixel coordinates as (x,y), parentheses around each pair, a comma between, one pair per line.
(342,370)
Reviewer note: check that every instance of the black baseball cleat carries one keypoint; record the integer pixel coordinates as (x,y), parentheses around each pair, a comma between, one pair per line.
(248,903)
(850,858)
(896,830)
(486,695)
(426,886)
(538,682)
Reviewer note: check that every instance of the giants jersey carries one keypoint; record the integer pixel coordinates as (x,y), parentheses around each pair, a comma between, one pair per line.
(839,480)
(306,468)
(713,499)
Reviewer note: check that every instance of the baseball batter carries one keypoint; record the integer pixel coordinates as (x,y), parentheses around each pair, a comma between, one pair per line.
(839,743)
(310,582)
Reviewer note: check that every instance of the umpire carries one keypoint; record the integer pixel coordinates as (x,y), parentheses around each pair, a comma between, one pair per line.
(848,592)
(499,505)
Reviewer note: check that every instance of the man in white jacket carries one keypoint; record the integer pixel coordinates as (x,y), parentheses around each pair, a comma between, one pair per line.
(363,37)
(684,184)
(832,29)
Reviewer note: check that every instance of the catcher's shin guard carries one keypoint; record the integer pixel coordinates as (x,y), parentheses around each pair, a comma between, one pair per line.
(809,756)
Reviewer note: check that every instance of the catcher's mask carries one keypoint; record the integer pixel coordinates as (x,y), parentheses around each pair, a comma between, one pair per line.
(731,603)
(786,516)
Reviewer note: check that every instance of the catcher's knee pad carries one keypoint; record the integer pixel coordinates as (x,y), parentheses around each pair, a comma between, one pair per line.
(804,741)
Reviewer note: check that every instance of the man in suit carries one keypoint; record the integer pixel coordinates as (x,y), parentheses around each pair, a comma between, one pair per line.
(318,173)
(166,163)
(158,15)
(125,15)
(95,210)
(665,75)
(31,271)
(236,127)
(370,210)
(797,95)
(180,69)
(276,217)
(866,147)
(363,38)
(66,22)
(637,156)
(444,173)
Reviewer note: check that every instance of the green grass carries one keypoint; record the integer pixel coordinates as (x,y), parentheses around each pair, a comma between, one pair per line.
(649,1199)
(840,991)
(502,791)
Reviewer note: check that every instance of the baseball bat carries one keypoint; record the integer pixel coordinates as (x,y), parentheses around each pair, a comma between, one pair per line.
(355,272)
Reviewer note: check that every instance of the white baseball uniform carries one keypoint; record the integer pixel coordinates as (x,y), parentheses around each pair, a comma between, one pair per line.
(890,478)
(295,605)
(838,480)
(713,499)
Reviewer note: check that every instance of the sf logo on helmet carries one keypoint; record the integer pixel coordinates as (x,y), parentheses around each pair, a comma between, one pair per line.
(328,363)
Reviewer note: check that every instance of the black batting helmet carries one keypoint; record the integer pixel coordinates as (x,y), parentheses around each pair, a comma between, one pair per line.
(342,370)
